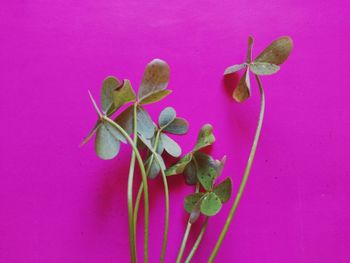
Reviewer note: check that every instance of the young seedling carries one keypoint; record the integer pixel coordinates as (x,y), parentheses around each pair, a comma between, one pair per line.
(136,120)
(199,167)
(167,123)
(265,64)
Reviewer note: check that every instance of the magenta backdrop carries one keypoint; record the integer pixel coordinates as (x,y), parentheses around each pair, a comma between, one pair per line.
(60,203)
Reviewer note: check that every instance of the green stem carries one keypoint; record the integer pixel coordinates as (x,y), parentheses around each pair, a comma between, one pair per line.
(139,194)
(245,177)
(132,235)
(166,191)
(144,181)
(198,241)
(184,241)
(185,237)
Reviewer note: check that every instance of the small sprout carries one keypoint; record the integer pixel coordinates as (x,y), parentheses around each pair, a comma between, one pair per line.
(266,63)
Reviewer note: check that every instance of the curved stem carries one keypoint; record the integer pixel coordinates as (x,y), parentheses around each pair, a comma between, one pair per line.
(139,193)
(198,241)
(185,237)
(166,225)
(245,177)
(137,205)
(166,191)
(132,235)
(144,181)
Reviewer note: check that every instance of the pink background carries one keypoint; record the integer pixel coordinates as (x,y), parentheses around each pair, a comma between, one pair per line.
(60,203)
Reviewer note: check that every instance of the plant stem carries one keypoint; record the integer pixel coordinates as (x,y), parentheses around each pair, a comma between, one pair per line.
(184,241)
(198,241)
(139,193)
(166,191)
(245,177)
(144,181)
(132,236)
(185,237)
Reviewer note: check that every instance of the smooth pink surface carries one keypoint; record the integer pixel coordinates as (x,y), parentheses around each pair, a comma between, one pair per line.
(60,203)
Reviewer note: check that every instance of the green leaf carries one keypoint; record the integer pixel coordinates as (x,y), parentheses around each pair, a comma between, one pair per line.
(242,92)
(126,119)
(155,78)
(177,126)
(170,145)
(205,137)
(210,204)
(115,133)
(146,142)
(277,52)
(106,145)
(166,117)
(91,133)
(109,85)
(155,168)
(191,201)
(156,96)
(180,166)
(145,125)
(234,68)
(250,46)
(224,190)
(190,173)
(123,94)
(206,172)
(261,68)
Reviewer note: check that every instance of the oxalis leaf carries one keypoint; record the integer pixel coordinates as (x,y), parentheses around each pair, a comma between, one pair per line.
(170,145)
(109,85)
(166,117)
(177,126)
(191,200)
(145,125)
(190,174)
(106,144)
(210,204)
(123,94)
(205,137)
(234,68)
(242,91)
(206,172)
(277,52)
(261,68)
(180,166)
(224,190)
(155,78)
(156,96)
